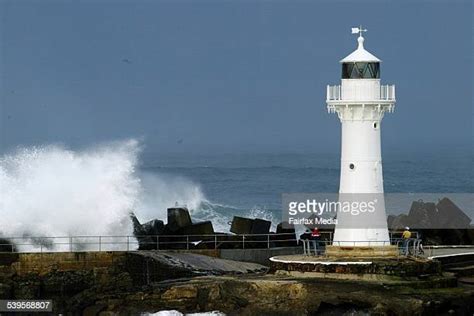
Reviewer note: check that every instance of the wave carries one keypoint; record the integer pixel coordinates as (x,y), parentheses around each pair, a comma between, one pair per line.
(222,215)
(51,191)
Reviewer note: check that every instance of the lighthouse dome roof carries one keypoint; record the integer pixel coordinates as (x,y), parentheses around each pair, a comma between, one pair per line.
(360,54)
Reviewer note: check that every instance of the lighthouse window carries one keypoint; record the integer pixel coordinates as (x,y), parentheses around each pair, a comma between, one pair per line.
(351,166)
(375,125)
(360,70)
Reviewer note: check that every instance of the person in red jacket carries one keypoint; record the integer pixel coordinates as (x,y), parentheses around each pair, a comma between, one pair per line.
(315,233)
(315,237)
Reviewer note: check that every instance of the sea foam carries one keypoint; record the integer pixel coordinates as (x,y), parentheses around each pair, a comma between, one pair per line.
(55,191)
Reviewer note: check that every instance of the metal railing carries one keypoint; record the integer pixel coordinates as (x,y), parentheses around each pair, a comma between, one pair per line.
(334,93)
(387,92)
(131,243)
(159,242)
(406,247)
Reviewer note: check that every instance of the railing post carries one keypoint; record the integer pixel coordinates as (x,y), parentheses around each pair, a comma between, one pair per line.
(215,241)
(70,244)
(243,241)
(128,243)
(187,242)
(100,243)
(157,242)
(268,241)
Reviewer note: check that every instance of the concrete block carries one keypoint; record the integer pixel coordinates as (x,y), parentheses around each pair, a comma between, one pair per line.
(241,225)
(178,217)
(201,228)
(285,228)
(260,226)
(289,237)
(154,227)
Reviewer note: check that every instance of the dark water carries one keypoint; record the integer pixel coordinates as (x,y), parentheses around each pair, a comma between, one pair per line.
(243,183)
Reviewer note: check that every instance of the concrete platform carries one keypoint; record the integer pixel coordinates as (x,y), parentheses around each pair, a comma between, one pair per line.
(358,251)
(355,268)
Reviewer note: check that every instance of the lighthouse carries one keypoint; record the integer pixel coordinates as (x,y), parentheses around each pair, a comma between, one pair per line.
(360,102)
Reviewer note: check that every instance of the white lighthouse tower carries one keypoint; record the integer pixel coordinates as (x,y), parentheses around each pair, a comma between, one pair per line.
(360,102)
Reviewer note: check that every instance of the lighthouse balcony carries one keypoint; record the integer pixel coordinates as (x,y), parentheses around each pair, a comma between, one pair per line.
(367,93)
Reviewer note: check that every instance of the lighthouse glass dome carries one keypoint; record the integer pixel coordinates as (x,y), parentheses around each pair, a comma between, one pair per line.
(361,70)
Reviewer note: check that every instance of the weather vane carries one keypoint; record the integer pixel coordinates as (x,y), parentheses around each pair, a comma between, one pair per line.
(359,30)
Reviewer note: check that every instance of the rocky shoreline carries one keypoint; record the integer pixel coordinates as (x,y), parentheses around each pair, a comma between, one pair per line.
(249,295)
(136,283)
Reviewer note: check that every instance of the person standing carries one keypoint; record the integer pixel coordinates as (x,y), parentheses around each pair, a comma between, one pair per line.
(315,238)
(406,237)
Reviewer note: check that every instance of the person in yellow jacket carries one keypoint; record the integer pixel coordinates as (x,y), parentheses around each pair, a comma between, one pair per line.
(406,236)
(407,233)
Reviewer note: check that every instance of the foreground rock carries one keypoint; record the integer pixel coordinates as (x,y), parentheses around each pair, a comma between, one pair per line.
(114,283)
(271,295)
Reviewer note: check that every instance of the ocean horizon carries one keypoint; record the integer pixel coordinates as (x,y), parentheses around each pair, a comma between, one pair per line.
(218,186)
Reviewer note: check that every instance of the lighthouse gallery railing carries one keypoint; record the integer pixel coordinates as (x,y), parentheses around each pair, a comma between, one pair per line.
(334,93)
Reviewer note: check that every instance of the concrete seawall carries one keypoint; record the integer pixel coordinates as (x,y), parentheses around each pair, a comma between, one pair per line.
(43,263)
(46,262)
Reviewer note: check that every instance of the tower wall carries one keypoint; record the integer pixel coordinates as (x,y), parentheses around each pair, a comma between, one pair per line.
(360,103)
(361,162)
(361,110)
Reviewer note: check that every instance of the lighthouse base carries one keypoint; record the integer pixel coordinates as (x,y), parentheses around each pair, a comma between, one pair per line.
(362,251)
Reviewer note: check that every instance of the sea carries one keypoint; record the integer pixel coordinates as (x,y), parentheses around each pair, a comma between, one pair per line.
(252,184)
(54,190)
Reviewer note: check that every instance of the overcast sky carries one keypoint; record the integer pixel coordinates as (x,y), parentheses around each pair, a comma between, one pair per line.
(229,76)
